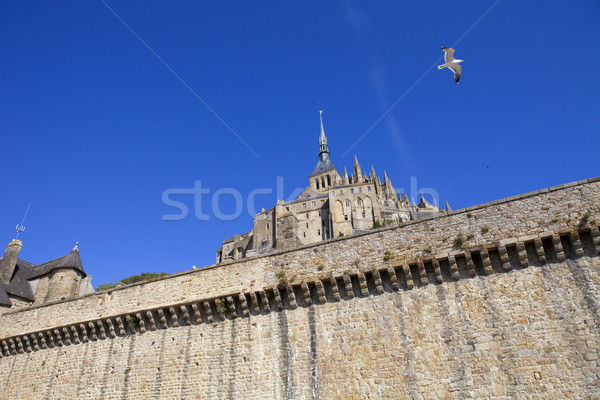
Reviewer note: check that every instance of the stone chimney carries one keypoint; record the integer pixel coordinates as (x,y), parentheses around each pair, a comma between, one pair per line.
(9,261)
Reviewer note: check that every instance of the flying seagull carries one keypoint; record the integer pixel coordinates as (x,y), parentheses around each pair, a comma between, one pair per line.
(451,62)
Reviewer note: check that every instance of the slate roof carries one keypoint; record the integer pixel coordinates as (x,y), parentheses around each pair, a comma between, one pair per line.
(324,164)
(71,260)
(4,300)
(305,199)
(19,286)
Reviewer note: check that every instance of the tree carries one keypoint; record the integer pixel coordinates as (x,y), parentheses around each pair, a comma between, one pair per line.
(144,276)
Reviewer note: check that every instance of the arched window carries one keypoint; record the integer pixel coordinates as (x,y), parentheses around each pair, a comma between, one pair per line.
(348,204)
(359,202)
(317,183)
(328,180)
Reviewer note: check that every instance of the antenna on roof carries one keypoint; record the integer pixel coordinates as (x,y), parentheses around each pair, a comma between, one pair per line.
(21,228)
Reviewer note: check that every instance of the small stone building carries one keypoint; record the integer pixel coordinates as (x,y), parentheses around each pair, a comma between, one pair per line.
(332,205)
(23,284)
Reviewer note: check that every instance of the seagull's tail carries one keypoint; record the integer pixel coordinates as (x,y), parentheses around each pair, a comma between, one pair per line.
(441,66)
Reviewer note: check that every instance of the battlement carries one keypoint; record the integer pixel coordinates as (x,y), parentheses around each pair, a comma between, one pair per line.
(430,287)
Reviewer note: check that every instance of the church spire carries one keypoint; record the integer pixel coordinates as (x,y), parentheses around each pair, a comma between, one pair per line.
(324,164)
(323,148)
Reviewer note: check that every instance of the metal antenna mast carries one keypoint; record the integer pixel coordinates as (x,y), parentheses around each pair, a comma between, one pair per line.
(21,228)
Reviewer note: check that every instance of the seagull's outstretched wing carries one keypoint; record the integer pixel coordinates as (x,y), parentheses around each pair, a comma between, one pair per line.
(457,69)
(449,54)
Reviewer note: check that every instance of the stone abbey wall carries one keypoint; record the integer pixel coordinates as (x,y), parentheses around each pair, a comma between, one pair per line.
(498,300)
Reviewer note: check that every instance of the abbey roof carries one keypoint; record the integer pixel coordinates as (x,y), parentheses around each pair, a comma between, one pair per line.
(322,166)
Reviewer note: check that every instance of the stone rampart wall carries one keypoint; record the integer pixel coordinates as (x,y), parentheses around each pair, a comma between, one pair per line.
(527,333)
(546,212)
(424,309)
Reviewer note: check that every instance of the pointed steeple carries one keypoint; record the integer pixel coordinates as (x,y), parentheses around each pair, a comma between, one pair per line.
(448,206)
(372,171)
(346,176)
(324,164)
(323,148)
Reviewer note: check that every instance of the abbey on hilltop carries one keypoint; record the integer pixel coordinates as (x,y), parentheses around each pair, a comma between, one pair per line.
(333,205)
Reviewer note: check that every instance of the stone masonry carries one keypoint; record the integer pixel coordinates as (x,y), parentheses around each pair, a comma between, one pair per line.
(494,301)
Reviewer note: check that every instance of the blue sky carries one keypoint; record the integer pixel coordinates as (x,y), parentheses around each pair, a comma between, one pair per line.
(95,127)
